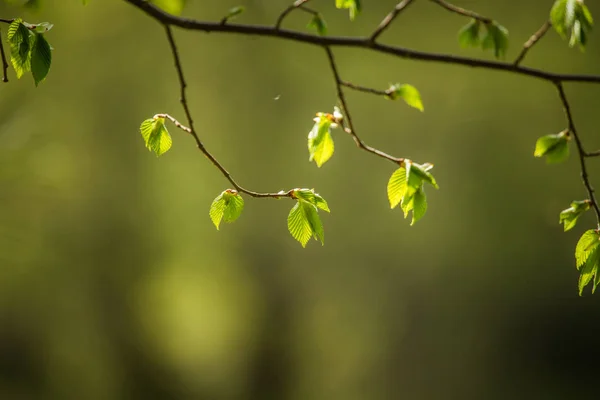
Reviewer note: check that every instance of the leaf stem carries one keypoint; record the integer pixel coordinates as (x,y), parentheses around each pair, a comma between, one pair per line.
(297,5)
(190,128)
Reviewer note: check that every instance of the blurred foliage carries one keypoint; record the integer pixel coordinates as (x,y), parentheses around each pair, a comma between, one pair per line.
(116,285)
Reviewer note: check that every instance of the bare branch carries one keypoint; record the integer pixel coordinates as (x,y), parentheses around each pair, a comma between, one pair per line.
(593,153)
(462,11)
(363,43)
(190,128)
(532,41)
(387,21)
(350,128)
(580,150)
(6,21)
(4,62)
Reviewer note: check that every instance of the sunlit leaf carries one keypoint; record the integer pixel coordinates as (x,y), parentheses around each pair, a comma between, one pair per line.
(313,198)
(20,39)
(227,206)
(586,244)
(589,270)
(304,223)
(156,136)
(555,147)
(569,216)
(320,142)
(174,7)
(353,6)
(408,93)
(573,21)
(419,205)
(396,187)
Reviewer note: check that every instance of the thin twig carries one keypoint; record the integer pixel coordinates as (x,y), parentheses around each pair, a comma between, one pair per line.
(190,129)
(387,21)
(350,128)
(580,150)
(297,4)
(593,153)
(352,42)
(359,88)
(533,40)
(462,11)
(6,21)
(4,62)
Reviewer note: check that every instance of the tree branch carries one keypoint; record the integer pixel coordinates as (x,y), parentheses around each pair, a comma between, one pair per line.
(462,11)
(350,128)
(6,21)
(192,131)
(580,150)
(4,62)
(359,88)
(387,21)
(359,42)
(532,41)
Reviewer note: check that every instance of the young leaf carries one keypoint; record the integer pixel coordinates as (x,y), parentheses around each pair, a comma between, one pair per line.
(555,147)
(589,270)
(304,223)
(396,187)
(174,7)
(320,142)
(572,20)
(570,215)
(227,206)
(20,39)
(353,6)
(496,37)
(419,205)
(468,36)
(422,171)
(318,23)
(409,93)
(155,135)
(41,58)
(588,242)
(234,12)
(313,198)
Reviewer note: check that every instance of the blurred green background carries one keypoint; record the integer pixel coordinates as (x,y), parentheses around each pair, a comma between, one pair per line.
(114,284)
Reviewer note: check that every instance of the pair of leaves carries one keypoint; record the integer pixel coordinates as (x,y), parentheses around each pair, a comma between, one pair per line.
(587,255)
(406,187)
(572,20)
(227,206)
(29,50)
(493,36)
(407,92)
(353,6)
(304,222)
(156,136)
(570,215)
(320,142)
(555,147)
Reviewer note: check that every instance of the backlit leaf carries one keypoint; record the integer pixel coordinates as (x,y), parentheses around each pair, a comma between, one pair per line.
(586,244)
(156,136)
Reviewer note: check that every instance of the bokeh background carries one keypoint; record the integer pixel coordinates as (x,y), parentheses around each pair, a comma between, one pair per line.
(114,284)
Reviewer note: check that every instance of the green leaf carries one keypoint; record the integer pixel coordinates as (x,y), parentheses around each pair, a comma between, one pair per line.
(227,206)
(409,93)
(573,21)
(174,7)
(313,198)
(570,215)
(555,147)
(468,36)
(304,223)
(589,241)
(42,27)
(353,6)
(320,142)
(318,23)
(396,187)
(41,58)
(496,37)
(589,270)
(155,135)
(234,12)
(419,205)
(20,40)
(422,171)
